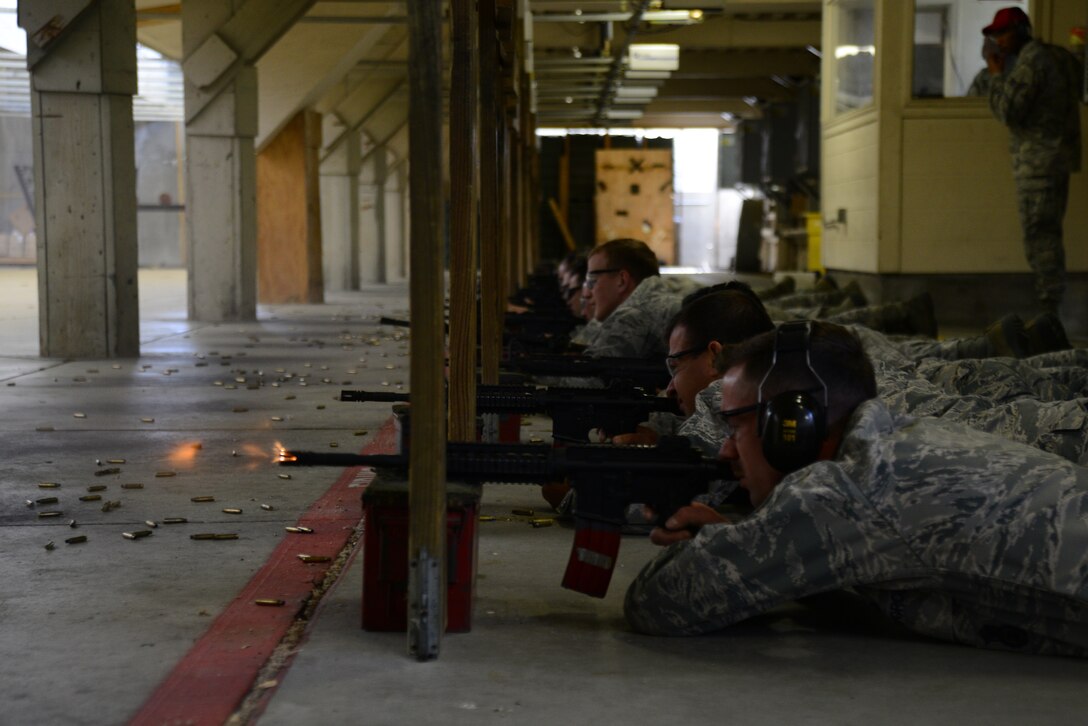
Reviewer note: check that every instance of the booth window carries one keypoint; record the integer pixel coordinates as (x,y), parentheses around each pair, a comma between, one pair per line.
(855,51)
(948,46)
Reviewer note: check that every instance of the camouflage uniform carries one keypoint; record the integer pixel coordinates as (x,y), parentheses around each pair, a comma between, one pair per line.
(1017,399)
(702,428)
(980,84)
(585,334)
(635,329)
(1038,100)
(954,533)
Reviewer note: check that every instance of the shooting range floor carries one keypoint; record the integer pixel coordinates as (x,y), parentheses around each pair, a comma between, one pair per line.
(164,629)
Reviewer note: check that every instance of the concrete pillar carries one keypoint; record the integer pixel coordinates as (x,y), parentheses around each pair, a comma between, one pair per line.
(340,218)
(82,82)
(380,227)
(220,126)
(289,214)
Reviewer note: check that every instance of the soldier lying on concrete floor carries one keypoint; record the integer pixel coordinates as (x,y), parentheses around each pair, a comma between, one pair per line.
(951,532)
(1031,401)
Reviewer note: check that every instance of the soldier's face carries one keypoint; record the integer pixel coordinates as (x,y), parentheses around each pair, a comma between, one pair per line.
(692,370)
(744,448)
(605,286)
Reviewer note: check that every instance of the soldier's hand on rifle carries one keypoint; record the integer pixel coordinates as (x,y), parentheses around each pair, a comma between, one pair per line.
(685,523)
(642,437)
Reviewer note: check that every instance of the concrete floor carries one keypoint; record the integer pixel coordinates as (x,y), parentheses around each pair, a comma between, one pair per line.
(89,630)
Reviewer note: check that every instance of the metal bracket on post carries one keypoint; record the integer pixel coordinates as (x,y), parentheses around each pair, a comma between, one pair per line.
(490,432)
(424,601)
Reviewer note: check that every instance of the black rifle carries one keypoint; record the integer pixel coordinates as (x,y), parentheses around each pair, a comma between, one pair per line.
(574,411)
(647,373)
(605,479)
(525,325)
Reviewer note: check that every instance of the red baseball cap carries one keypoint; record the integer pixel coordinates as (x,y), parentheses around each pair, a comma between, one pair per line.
(1005,19)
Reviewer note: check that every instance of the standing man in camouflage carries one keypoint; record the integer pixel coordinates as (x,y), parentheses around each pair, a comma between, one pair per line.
(953,533)
(1033,90)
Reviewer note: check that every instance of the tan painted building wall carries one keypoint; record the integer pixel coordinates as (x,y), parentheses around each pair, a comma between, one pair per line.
(926,184)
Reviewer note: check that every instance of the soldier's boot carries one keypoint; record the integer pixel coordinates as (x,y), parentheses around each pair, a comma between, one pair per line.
(921,316)
(855,295)
(825,284)
(1005,337)
(848,298)
(1046,333)
(785,286)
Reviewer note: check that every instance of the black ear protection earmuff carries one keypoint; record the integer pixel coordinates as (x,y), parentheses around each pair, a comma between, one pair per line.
(793,424)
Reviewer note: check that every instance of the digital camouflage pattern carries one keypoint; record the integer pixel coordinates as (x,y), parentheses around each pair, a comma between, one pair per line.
(636,328)
(953,533)
(1029,400)
(584,335)
(1038,101)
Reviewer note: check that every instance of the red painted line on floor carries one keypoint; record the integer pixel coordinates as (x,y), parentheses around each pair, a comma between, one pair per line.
(210,681)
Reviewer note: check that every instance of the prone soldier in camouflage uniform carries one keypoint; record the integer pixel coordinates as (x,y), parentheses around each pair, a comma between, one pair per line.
(631,302)
(1033,90)
(953,533)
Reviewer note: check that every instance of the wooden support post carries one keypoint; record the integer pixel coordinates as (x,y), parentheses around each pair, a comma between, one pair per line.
(491,269)
(427,456)
(463,305)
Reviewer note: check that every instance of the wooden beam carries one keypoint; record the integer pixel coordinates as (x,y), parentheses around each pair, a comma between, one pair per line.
(491,299)
(463,305)
(355,127)
(239,41)
(427,457)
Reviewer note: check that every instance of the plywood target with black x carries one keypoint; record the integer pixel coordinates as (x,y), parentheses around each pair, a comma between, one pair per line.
(634,198)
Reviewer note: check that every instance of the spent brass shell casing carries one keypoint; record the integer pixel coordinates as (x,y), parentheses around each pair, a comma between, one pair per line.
(138,534)
(284,476)
(151,523)
(115,461)
(46,500)
(267,507)
(49,515)
(90,498)
(30,502)
(132,486)
(202,499)
(522,512)
(97,488)
(79,415)
(107,472)
(269,602)
(487,518)
(44,428)
(226,535)
(202,535)
(314,558)
(232,510)
(48,485)
(78,539)
(147,420)
(49,546)
(174,520)
(72,523)
(299,530)
(543,522)
(165,474)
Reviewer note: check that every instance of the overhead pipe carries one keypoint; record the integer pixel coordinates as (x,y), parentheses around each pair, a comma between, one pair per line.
(630,29)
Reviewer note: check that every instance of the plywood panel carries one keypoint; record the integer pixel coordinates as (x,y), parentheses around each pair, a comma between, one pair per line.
(288,217)
(634,198)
